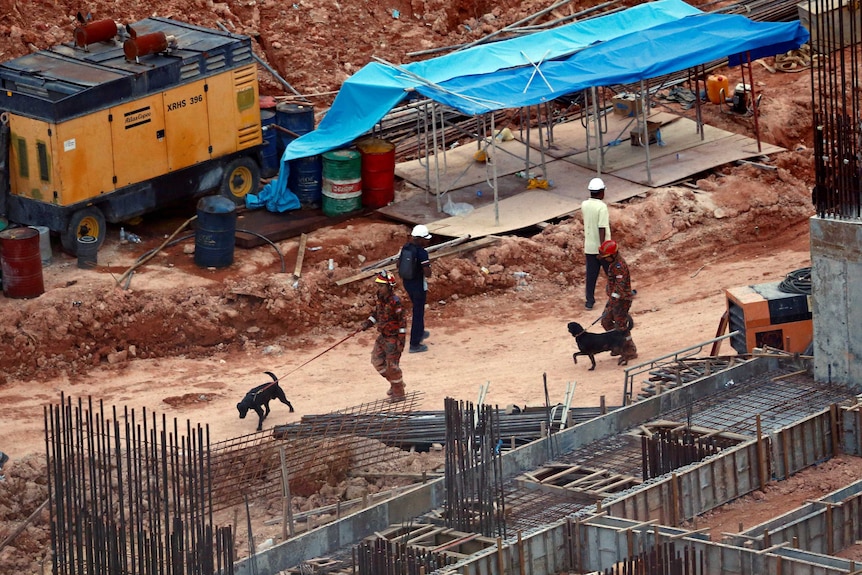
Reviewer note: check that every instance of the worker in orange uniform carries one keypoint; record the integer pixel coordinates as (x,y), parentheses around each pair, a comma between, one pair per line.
(620,296)
(388,315)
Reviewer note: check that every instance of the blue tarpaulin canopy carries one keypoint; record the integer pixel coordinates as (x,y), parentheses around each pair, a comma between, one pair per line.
(639,43)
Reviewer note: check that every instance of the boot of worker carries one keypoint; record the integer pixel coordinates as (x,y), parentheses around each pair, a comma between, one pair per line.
(391,389)
(398,392)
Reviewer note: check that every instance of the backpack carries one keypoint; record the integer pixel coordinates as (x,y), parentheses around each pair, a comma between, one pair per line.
(407,263)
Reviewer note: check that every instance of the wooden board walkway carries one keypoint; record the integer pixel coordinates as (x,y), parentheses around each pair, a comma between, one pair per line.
(681,153)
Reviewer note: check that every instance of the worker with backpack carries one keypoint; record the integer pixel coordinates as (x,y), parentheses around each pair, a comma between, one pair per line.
(414,267)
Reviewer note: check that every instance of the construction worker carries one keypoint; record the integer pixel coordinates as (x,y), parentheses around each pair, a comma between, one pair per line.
(388,315)
(620,296)
(597,229)
(416,284)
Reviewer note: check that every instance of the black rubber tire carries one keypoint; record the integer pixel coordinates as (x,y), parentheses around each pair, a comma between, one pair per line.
(241,178)
(89,221)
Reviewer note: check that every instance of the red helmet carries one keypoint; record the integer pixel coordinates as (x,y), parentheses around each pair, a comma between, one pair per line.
(385,277)
(608,248)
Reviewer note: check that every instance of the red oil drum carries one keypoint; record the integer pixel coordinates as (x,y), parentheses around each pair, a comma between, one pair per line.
(378,172)
(21,263)
(98,31)
(143,45)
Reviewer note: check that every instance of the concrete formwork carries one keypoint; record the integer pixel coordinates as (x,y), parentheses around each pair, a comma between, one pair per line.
(826,526)
(836,273)
(698,487)
(851,428)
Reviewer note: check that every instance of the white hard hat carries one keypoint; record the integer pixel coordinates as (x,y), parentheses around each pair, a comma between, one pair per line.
(596,185)
(421,231)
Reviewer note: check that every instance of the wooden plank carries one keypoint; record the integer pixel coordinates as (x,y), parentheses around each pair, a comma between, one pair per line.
(585,480)
(668,169)
(285,225)
(425,538)
(676,138)
(430,249)
(569,494)
(453,250)
(624,480)
(515,213)
(566,471)
(300,255)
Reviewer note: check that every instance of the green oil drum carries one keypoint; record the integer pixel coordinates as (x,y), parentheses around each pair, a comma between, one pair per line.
(342,182)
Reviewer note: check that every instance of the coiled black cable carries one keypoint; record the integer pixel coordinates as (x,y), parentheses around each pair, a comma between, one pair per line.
(798,281)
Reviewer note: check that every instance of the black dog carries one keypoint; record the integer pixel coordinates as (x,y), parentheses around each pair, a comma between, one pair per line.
(259,397)
(590,344)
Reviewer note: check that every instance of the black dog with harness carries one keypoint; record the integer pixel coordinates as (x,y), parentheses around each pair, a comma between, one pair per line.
(591,344)
(259,397)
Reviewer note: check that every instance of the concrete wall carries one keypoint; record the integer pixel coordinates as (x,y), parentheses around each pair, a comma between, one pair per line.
(836,273)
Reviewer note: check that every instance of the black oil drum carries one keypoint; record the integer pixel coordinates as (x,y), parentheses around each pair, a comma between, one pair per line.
(215,232)
(306,179)
(295,120)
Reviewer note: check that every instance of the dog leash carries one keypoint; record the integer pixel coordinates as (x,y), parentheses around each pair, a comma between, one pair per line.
(268,385)
(598,319)
(321,353)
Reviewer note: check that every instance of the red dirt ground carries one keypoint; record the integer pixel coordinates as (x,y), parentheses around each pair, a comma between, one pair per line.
(180,333)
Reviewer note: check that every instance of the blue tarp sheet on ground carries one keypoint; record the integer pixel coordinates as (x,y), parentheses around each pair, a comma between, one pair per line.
(642,42)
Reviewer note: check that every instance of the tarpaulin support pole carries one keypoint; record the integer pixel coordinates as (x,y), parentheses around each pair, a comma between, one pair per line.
(436,155)
(427,165)
(585,122)
(541,142)
(747,62)
(494,166)
(698,109)
(529,124)
(644,135)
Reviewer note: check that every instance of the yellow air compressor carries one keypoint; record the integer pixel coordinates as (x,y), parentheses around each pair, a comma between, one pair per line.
(764,315)
(115,125)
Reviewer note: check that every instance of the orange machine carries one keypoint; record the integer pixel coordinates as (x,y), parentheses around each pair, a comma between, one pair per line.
(112,130)
(766,316)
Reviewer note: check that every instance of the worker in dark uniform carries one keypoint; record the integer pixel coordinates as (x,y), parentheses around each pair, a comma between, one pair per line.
(620,296)
(391,322)
(417,286)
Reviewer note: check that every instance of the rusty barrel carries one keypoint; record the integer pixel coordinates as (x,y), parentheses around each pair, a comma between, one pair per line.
(21,263)
(378,172)
(145,45)
(98,31)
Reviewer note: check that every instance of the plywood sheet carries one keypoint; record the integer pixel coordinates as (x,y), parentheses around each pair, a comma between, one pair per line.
(458,168)
(676,136)
(570,182)
(692,160)
(570,138)
(516,212)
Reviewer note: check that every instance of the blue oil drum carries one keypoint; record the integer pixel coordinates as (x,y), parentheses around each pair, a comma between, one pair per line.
(306,179)
(296,118)
(271,158)
(215,232)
